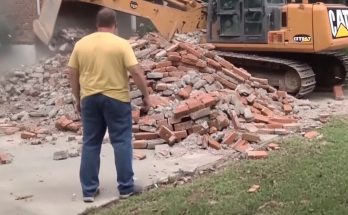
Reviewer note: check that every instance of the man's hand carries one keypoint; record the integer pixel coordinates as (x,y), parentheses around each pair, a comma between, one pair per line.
(147,104)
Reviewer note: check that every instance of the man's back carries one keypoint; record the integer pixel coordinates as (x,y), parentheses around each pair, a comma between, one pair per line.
(102,60)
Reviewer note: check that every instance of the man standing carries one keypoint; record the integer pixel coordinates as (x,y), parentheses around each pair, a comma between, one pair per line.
(99,80)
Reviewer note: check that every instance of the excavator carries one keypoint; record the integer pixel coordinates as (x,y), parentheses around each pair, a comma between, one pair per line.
(296,44)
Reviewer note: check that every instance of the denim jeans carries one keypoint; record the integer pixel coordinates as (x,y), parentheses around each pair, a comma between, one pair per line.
(98,113)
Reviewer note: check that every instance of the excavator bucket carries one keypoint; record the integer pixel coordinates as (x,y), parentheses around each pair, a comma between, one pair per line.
(44,26)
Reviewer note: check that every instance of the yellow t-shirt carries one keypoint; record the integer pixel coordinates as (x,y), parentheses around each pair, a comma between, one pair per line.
(102,60)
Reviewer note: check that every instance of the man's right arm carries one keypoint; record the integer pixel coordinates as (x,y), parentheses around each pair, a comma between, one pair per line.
(137,74)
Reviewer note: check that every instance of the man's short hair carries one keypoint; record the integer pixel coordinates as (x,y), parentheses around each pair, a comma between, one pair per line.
(106,18)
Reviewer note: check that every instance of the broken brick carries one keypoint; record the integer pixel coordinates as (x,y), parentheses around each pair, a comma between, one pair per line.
(200,113)
(136,115)
(242,146)
(257,154)
(5,158)
(185,92)
(139,144)
(261,118)
(251,137)
(183,126)
(338,92)
(166,134)
(181,110)
(273,146)
(28,135)
(139,155)
(311,134)
(214,144)
(145,136)
(287,108)
(234,119)
(180,134)
(194,105)
(163,64)
(230,138)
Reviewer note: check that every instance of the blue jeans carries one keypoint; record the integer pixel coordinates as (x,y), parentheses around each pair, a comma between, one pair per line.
(98,113)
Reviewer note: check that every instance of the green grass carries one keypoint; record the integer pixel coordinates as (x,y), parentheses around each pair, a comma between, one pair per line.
(301,178)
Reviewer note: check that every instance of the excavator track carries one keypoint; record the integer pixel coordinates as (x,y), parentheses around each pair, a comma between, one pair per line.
(290,75)
(341,77)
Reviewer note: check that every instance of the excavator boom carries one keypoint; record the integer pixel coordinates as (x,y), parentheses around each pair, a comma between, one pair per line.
(179,16)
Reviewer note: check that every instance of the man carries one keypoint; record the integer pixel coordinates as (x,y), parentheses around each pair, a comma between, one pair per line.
(99,80)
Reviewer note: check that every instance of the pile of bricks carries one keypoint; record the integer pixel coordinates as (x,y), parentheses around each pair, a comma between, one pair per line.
(196,91)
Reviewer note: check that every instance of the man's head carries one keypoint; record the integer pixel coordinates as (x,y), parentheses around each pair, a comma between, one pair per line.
(106,20)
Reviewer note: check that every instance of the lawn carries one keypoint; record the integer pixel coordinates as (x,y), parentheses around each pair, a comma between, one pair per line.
(303,177)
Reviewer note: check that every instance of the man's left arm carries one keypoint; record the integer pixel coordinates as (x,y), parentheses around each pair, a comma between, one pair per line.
(75,85)
(74,77)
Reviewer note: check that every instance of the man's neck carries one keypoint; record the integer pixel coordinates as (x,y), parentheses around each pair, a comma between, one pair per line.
(109,30)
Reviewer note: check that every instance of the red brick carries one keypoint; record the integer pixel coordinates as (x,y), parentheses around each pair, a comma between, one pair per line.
(163,64)
(213,63)
(222,122)
(62,123)
(136,115)
(171,68)
(338,92)
(188,60)
(189,49)
(311,134)
(281,94)
(161,70)
(181,110)
(292,127)
(162,122)
(257,154)
(234,119)
(214,144)
(266,131)
(74,126)
(172,48)
(242,146)
(251,137)
(282,119)
(183,68)
(251,98)
(224,62)
(194,105)
(145,136)
(200,113)
(147,120)
(139,144)
(255,110)
(209,78)
(177,73)
(260,80)
(11,130)
(135,128)
(28,135)
(201,64)
(139,155)
(198,129)
(183,126)
(274,125)
(230,138)
(224,82)
(260,118)
(180,134)
(5,158)
(170,79)
(287,108)
(242,73)
(174,57)
(233,75)
(208,100)
(267,112)
(273,146)
(161,87)
(166,134)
